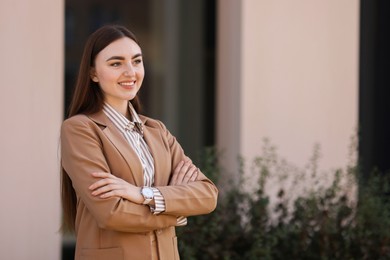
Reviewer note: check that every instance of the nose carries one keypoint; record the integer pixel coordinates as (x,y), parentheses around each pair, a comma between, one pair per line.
(129,70)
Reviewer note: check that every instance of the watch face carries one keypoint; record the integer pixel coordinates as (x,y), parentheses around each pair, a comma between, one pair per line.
(147,192)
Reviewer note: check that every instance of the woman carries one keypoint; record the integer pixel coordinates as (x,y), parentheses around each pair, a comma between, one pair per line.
(126,182)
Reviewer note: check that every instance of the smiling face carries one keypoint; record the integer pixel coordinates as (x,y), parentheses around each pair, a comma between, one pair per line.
(119,71)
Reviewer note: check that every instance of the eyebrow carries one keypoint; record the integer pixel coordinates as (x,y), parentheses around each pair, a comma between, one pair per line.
(123,58)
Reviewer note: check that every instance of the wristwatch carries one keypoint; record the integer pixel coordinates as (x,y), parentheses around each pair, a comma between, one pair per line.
(148,194)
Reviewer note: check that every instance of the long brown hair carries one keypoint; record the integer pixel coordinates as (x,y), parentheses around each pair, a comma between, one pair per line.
(88,99)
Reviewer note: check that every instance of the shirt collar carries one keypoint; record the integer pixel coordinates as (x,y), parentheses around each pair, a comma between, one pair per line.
(121,121)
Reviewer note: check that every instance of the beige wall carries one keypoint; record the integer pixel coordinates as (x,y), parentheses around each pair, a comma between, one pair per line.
(31,72)
(295,78)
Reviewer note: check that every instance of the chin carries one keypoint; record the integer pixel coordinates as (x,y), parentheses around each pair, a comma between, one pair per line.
(128,98)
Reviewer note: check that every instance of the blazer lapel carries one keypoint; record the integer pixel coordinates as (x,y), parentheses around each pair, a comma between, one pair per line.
(160,156)
(119,141)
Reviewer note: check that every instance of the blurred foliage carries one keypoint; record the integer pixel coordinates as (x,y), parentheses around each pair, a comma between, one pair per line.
(322,223)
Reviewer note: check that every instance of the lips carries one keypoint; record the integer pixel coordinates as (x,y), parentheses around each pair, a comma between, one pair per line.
(127,83)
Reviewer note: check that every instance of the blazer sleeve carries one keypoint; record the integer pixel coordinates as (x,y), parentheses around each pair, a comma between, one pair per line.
(196,198)
(82,153)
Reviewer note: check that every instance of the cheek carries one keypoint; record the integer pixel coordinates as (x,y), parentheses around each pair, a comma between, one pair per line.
(106,77)
(141,74)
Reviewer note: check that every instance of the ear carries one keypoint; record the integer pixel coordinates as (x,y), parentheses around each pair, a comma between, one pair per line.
(93,76)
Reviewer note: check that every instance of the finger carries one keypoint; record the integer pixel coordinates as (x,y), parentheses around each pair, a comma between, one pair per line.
(115,191)
(102,189)
(109,194)
(187,159)
(195,175)
(188,175)
(99,184)
(183,172)
(108,188)
(178,167)
(103,182)
(106,195)
(176,173)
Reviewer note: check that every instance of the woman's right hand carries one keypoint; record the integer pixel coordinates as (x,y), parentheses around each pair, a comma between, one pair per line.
(184,173)
(108,185)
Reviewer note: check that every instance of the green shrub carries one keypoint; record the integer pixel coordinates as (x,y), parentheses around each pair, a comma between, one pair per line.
(322,223)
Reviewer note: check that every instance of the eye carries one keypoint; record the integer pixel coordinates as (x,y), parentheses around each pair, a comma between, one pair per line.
(115,64)
(137,61)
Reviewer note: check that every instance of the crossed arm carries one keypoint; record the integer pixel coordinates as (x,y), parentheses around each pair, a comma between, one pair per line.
(115,202)
(108,185)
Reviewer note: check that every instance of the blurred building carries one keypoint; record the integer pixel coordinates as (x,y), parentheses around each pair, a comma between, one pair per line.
(227,73)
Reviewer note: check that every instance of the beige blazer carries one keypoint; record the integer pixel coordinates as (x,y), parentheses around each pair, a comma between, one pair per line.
(116,228)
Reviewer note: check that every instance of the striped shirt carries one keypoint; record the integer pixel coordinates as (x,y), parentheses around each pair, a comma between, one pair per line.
(133,133)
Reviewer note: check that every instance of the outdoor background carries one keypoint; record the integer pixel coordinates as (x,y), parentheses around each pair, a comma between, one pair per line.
(225,74)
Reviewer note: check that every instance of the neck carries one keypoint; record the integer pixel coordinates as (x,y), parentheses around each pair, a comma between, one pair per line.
(122,108)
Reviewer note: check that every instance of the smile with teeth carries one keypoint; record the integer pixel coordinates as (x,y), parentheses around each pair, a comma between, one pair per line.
(127,83)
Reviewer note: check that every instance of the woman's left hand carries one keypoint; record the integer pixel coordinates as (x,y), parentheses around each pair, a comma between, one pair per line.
(111,186)
(184,173)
